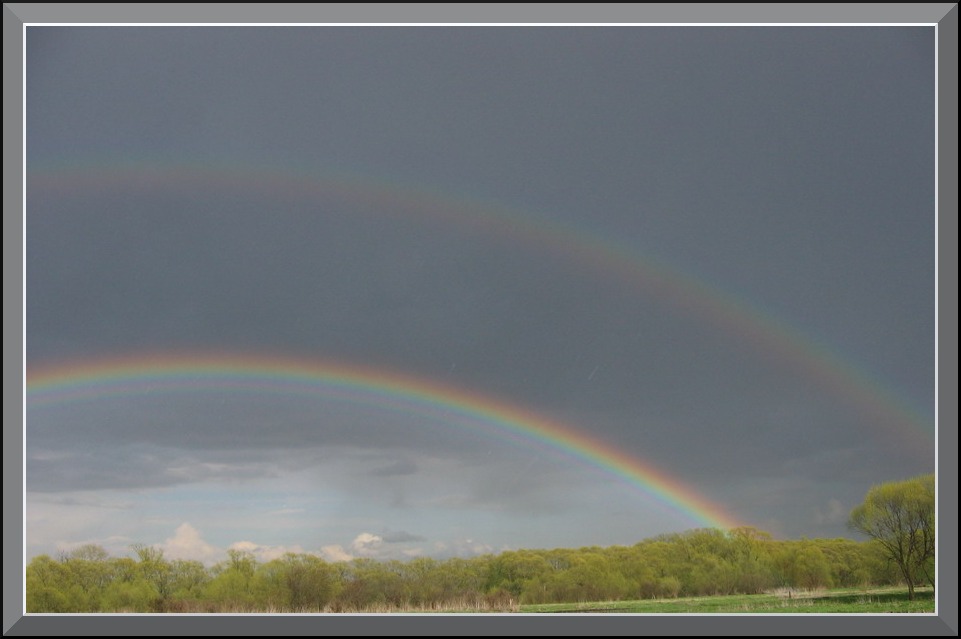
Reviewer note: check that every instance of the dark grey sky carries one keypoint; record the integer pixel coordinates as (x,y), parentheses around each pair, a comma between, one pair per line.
(787,169)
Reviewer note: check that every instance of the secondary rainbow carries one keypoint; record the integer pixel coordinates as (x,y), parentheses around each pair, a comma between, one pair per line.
(881,407)
(132,375)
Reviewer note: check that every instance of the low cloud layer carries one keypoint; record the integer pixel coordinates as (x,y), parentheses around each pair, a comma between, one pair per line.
(190,544)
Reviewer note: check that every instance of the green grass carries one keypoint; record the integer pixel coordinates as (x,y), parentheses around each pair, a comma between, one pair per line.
(874,600)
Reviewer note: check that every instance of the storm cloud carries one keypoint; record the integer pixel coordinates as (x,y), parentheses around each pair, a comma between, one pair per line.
(711,249)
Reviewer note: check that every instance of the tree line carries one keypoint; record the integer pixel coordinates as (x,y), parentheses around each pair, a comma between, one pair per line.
(697,562)
(899,518)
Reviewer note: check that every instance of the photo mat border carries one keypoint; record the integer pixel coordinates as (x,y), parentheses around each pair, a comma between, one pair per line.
(16,15)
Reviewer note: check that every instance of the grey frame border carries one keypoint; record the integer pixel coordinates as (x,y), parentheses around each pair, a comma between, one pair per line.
(14,15)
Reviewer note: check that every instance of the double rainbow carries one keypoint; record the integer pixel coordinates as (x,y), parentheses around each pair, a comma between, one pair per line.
(765,334)
(880,407)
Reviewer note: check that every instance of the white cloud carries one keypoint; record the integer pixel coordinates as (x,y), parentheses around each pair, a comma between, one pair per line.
(188,544)
(364,545)
(367,544)
(335,552)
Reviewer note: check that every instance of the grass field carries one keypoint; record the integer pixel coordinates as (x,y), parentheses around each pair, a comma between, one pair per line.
(874,600)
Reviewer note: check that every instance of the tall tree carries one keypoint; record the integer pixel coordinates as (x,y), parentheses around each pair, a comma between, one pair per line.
(900,517)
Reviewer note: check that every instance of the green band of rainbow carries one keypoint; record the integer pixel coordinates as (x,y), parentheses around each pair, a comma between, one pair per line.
(118,376)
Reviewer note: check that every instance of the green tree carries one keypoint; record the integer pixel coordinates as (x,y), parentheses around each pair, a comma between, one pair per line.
(810,569)
(234,586)
(900,517)
(46,580)
(751,556)
(155,570)
(310,582)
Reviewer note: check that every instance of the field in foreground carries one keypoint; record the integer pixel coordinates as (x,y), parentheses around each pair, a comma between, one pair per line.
(846,600)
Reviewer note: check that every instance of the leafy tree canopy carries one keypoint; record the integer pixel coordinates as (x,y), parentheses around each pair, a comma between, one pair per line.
(900,517)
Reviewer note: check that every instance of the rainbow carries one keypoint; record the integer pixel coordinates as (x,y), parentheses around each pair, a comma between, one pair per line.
(880,407)
(142,374)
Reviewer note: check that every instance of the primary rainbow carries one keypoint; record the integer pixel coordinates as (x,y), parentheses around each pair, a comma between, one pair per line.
(880,407)
(141,374)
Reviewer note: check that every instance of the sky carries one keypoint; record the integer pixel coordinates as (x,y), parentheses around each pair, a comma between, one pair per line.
(398,292)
